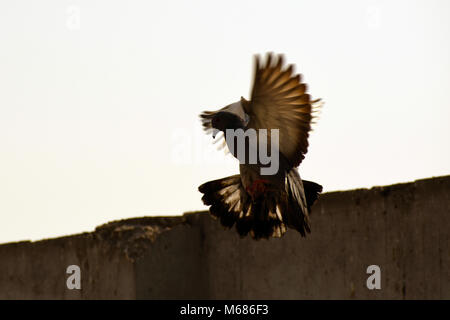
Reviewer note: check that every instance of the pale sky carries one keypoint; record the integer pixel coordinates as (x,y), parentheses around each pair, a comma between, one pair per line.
(99,100)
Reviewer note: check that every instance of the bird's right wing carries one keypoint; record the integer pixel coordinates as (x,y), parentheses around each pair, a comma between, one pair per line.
(279,101)
(205,118)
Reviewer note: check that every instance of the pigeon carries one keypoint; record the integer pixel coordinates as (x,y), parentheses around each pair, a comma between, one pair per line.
(278,115)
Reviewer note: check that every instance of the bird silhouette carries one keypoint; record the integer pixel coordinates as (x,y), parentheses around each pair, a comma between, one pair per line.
(268,196)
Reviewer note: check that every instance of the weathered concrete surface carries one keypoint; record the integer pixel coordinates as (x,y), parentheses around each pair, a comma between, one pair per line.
(402,228)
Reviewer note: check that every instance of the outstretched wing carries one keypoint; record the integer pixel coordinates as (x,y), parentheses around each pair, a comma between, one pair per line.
(206,117)
(234,108)
(279,101)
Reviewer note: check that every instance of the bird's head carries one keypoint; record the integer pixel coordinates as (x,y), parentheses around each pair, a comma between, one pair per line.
(226,120)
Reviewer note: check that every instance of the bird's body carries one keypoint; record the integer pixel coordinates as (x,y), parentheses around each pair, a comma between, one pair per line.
(268,195)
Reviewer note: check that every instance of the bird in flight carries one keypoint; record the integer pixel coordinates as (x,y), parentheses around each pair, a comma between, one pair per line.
(268,195)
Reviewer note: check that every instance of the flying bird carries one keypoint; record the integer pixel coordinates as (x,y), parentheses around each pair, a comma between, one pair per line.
(260,201)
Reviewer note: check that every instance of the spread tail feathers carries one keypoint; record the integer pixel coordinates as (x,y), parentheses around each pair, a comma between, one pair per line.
(267,217)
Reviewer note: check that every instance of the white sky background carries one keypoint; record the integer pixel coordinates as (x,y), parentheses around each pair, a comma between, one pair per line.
(99,100)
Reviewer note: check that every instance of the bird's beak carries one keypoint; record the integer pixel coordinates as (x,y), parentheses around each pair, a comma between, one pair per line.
(215,132)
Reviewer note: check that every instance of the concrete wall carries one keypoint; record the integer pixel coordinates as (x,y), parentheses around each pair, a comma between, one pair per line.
(403,228)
